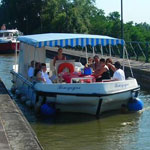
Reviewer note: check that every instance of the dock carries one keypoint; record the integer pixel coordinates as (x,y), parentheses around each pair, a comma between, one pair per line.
(141,70)
(15,131)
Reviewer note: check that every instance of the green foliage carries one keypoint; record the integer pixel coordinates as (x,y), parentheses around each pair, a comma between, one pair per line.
(68,16)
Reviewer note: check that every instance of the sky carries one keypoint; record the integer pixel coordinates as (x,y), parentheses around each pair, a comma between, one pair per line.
(137,11)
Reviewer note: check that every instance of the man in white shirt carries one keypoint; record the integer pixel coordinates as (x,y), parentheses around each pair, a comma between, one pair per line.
(119,73)
(43,76)
(31,70)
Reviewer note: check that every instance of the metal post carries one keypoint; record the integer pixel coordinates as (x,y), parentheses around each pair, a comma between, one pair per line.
(147,55)
(16,50)
(122,32)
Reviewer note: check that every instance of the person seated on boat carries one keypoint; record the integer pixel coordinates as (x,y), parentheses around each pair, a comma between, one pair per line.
(31,70)
(37,68)
(103,72)
(119,73)
(3,27)
(42,75)
(111,67)
(59,56)
(96,64)
(90,63)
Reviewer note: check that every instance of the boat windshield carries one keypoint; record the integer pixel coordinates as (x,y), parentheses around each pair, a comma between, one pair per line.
(10,34)
(7,34)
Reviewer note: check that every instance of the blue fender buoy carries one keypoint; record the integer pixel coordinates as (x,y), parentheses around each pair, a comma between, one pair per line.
(135,104)
(47,110)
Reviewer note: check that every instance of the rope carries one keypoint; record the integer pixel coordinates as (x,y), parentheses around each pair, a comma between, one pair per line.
(126,52)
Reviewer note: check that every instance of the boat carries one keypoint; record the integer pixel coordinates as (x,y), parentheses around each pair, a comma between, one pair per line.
(79,94)
(8,41)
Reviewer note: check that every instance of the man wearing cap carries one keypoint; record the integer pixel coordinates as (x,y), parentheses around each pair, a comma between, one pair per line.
(119,73)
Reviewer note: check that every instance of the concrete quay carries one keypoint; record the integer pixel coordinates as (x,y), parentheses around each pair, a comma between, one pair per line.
(141,70)
(15,131)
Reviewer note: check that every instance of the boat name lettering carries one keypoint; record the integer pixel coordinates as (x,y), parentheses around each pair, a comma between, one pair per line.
(121,85)
(68,88)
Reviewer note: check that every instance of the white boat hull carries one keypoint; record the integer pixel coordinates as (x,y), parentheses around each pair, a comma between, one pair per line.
(91,98)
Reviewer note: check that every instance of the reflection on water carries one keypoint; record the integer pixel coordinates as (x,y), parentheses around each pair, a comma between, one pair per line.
(82,132)
(6,64)
(85,132)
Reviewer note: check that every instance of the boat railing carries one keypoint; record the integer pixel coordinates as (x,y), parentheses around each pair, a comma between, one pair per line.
(19,76)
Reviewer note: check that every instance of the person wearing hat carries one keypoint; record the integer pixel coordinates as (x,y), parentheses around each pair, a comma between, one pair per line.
(119,73)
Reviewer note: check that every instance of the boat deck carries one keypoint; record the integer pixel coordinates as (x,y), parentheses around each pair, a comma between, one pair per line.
(141,70)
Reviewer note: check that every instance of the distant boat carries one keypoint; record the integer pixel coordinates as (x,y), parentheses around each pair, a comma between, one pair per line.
(8,41)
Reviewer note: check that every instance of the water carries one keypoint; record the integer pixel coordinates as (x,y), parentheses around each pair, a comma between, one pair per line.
(85,132)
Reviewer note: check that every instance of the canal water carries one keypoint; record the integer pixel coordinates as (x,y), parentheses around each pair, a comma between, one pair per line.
(84,132)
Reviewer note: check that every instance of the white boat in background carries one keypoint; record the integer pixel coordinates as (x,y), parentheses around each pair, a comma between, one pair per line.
(82,97)
(8,40)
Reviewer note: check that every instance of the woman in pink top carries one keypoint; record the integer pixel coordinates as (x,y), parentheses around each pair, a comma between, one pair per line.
(60,56)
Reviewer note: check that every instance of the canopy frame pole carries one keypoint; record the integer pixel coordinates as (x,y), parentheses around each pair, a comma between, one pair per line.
(109,50)
(34,55)
(93,51)
(81,55)
(101,51)
(86,54)
(123,56)
(16,56)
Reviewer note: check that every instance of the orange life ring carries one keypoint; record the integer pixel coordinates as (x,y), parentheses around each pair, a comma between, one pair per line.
(66,65)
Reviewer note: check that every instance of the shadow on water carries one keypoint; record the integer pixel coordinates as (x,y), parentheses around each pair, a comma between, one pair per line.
(66,118)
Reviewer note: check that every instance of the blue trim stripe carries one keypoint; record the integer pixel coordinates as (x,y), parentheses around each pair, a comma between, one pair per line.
(82,42)
(45,43)
(77,42)
(112,42)
(117,42)
(50,44)
(56,43)
(66,42)
(40,44)
(107,41)
(102,42)
(122,42)
(92,42)
(87,41)
(72,43)
(61,43)
(97,42)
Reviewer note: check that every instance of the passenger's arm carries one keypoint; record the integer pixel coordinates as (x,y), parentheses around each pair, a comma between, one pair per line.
(39,77)
(99,72)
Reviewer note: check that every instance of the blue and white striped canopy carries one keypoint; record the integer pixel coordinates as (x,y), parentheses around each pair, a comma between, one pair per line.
(67,39)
